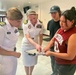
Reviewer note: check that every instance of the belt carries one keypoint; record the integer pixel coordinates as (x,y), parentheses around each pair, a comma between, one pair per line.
(32,38)
(14,49)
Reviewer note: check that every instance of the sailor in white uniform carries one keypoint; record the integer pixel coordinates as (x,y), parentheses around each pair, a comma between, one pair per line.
(8,38)
(33,31)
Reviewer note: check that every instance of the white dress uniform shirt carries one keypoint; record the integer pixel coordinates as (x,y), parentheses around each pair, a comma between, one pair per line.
(8,39)
(34,32)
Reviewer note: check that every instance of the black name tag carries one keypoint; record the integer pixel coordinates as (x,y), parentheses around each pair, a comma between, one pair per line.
(8,32)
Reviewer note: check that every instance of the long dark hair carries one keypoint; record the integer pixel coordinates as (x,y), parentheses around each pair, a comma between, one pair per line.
(59,11)
(70,15)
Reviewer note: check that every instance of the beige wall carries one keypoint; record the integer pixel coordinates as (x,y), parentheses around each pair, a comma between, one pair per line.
(44,8)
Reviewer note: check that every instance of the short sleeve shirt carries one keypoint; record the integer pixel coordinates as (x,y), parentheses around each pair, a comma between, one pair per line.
(8,36)
(33,31)
(53,26)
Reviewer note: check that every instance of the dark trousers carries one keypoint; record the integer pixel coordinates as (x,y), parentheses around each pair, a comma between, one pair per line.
(53,65)
(68,69)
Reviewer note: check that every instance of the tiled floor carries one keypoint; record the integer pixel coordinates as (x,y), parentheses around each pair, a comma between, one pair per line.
(43,66)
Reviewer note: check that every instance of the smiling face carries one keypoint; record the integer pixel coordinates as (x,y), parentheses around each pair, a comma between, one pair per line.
(65,23)
(33,18)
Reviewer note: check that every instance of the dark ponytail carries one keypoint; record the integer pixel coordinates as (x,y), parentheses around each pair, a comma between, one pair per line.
(70,15)
(74,12)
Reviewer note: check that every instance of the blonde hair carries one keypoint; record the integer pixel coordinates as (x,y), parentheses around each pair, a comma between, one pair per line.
(14,14)
(31,12)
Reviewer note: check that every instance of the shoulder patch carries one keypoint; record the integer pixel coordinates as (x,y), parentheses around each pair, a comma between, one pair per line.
(39,26)
(40,21)
(2,23)
(26,21)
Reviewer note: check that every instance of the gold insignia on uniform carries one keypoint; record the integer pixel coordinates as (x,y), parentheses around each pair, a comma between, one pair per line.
(39,26)
(26,21)
(2,23)
(40,21)
(29,26)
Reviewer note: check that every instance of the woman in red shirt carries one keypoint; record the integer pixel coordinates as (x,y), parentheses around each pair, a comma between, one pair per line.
(65,44)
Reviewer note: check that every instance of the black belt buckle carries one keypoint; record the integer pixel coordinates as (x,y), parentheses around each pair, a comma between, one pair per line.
(32,38)
(15,49)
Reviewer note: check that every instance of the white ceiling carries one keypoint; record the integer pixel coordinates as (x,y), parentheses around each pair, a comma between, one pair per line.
(5,4)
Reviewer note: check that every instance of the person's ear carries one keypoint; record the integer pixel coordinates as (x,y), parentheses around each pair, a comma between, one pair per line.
(72,21)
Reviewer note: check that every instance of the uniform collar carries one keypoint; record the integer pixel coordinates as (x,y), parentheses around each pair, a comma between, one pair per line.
(9,27)
(35,24)
(29,22)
